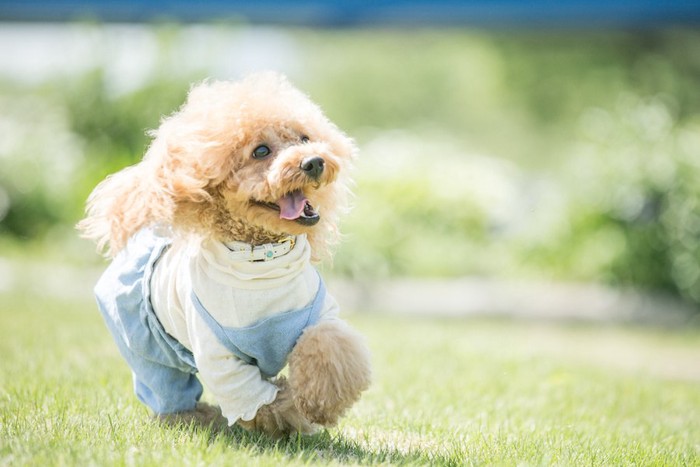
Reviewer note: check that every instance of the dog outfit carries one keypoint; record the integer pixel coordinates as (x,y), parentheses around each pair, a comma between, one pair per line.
(226,311)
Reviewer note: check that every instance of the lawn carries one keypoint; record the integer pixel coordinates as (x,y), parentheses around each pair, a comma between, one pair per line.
(446,392)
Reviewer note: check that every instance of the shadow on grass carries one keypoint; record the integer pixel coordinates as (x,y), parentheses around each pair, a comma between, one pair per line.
(323,446)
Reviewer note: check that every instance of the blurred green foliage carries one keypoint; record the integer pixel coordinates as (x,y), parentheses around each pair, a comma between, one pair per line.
(633,214)
(571,155)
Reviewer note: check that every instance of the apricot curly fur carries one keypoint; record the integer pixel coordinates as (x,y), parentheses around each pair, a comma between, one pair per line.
(328,369)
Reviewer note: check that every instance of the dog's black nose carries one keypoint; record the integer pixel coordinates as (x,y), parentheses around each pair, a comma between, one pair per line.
(313,166)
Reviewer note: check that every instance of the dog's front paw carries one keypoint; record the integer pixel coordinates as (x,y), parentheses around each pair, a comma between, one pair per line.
(328,370)
(281,417)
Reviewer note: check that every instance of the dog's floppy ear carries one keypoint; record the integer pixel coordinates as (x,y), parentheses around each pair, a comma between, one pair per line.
(144,194)
(124,203)
(185,157)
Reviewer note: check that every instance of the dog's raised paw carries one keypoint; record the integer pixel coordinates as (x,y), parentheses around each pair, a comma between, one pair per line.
(328,370)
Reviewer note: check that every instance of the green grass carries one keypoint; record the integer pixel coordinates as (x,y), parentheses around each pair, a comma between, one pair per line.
(446,392)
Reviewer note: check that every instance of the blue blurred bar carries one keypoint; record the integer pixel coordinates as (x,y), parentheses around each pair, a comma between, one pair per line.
(486,13)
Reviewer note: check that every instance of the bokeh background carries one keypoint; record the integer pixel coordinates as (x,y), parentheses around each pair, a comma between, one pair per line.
(523,255)
(545,159)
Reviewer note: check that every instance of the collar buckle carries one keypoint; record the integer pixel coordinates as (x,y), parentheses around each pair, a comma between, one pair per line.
(274,250)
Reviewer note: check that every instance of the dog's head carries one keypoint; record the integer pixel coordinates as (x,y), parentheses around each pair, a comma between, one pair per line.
(252,160)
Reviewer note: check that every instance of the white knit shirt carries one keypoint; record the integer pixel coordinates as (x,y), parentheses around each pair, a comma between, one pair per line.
(237,294)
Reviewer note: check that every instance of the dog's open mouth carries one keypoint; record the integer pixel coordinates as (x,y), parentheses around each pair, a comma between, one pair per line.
(294,207)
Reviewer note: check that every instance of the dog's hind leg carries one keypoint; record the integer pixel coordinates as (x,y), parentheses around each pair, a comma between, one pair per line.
(203,415)
(328,369)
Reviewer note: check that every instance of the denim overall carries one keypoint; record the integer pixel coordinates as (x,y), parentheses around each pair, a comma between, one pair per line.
(163,369)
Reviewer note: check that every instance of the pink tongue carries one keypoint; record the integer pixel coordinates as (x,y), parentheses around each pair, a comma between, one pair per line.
(292,205)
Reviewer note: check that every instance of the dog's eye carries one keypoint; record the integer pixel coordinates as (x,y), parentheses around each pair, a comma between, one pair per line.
(304,139)
(261,152)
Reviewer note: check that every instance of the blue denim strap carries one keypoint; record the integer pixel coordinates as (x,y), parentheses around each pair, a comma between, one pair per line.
(163,369)
(267,343)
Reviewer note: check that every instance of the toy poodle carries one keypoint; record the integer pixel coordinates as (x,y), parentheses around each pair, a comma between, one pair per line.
(213,236)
